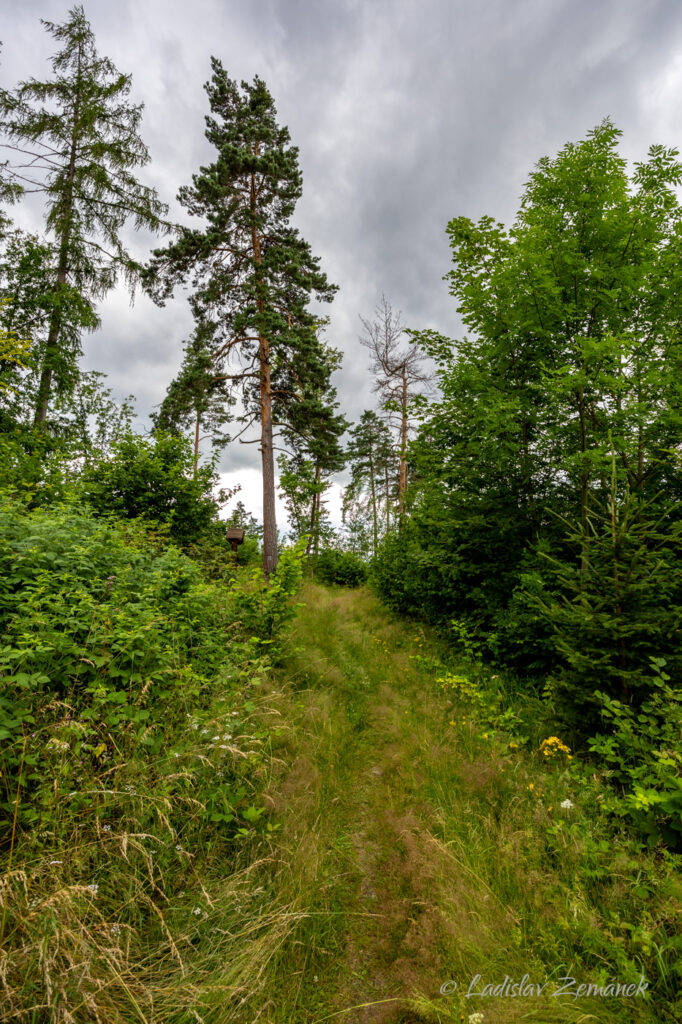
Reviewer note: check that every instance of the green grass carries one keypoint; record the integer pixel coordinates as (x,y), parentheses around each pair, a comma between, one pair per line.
(399,851)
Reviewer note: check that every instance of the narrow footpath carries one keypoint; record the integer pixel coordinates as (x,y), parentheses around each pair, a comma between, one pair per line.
(394,871)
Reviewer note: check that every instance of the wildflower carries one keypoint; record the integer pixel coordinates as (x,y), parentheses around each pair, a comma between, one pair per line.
(485,735)
(452,723)
(566,805)
(115,929)
(179,848)
(531,786)
(197,911)
(513,746)
(106,828)
(475,1018)
(93,887)
(223,746)
(552,747)
(56,862)
(549,808)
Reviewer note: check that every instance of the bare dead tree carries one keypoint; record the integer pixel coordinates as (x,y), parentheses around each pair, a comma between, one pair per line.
(399,373)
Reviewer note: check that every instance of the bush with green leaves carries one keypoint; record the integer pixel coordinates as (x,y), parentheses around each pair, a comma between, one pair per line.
(107,640)
(642,747)
(154,479)
(340,568)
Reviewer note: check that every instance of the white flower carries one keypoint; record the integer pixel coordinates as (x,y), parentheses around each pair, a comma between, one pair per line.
(179,848)
(93,887)
(223,746)
(106,828)
(56,862)
(475,1018)
(115,929)
(566,805)
(197,911)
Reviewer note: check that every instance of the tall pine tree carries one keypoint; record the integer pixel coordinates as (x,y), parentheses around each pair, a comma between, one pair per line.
(253,273)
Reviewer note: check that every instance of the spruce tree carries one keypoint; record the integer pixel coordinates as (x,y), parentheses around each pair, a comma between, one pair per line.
(74,138)
(253,273)
(199,397)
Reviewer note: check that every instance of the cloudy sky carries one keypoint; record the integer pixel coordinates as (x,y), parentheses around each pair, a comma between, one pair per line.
(406,113)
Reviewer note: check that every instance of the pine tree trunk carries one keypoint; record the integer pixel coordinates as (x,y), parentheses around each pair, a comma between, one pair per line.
(267,462)
(196,444)
(317,506)
(402,486)
(267,449)
(374,504)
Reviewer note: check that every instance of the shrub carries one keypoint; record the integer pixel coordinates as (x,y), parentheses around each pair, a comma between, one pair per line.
(643,750)
(154,479)
(340,567)
(106,641)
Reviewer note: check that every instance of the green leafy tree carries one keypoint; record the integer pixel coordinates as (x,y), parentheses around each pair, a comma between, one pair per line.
(574,359)
(153,479)
(253,273)
(74,138)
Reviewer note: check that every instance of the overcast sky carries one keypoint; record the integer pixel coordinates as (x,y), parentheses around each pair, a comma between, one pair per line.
(406,113)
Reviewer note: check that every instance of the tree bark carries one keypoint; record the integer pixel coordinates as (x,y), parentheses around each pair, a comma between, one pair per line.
(402,485)
(267,450)
(374,504)
(196,444)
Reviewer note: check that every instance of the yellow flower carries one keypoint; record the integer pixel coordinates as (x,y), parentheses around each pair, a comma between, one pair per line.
(531,785)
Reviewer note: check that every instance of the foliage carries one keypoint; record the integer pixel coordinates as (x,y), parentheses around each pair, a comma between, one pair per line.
(615,614)
(571,373)
(643,749)
(82,136)
(100,632)
(340,568)
(199,396)
(153,479)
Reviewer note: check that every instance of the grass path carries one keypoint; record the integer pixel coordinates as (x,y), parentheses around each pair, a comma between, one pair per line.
(407,851)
